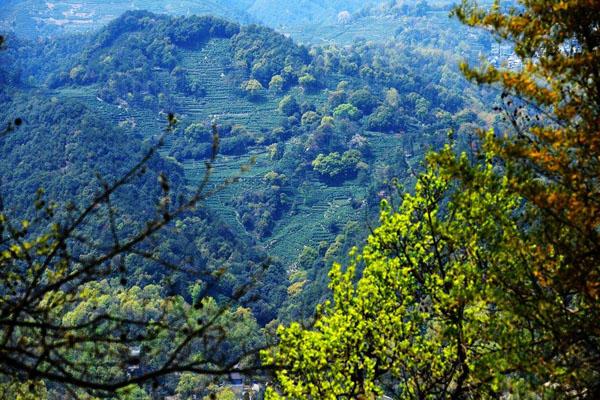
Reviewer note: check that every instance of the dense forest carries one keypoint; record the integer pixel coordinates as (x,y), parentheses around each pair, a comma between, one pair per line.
(326,118)
(373,205)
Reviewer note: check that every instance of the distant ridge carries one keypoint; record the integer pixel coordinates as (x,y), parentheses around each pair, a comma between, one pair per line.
(41,18)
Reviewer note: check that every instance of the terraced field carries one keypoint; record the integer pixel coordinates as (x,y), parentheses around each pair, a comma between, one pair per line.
(370,28)
(318,210)
(226,167)
(307,223)
(376,28)
(208,67)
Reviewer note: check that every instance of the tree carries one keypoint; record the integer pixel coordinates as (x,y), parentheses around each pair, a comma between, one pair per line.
(383,119)
(308,82)
(334,165)
(364,100)
(289,106)
(276,83)
(60,324)
(346,111)
(551,157)
(485,282)
(190,385)
(253,88)
(222,394)
(417,322)
(310,118)
(392,98)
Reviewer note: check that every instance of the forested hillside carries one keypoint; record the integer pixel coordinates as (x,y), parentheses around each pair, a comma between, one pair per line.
(298,138)
(327,128)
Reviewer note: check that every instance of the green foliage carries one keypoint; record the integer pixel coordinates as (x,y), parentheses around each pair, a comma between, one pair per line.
(253,88)
(310,118)
(191,385)
(266,54)
(308,82)
(133,392)
(364,100)
(222,394)
(129,62)
(288,105)
(197,132)
(194,30)
(484,282)
(308,256)
(160,63)
(25,390)
(392,97)
(384,119)
(218,66)
(335,165)
(79,152)
(551,158)
(346,110)
(276,83)
(420,316)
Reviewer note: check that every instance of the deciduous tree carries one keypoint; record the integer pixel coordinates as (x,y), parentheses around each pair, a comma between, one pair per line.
(485,282)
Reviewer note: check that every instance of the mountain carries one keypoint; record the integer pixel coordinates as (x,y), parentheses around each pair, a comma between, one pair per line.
(33,18)
(311,139)
(326,129)
(289,14)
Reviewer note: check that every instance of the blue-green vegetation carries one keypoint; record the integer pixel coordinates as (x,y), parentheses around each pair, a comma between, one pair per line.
(335,130)
(330,131)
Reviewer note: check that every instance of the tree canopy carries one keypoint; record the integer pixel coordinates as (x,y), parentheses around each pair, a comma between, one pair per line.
(484,282)
(67,314)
